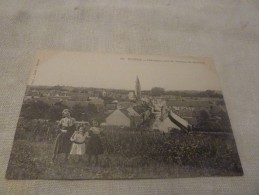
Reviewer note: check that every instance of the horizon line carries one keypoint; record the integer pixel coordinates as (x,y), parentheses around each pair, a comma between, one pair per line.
(219,90)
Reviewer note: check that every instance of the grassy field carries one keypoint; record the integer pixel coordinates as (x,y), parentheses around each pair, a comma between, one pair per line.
(131,155)
(36,164)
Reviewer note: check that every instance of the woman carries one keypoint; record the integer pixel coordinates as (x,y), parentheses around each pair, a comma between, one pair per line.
(67,129)
(94,145)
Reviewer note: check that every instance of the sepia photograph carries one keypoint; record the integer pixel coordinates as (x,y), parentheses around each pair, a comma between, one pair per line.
(119,116)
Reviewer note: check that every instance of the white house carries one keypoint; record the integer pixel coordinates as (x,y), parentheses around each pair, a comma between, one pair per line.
(131,95)
(127,117)
(166,125)
(179,119)
(118,118)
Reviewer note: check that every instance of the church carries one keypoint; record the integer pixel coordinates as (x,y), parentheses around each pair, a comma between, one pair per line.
(135,95)
(132,115)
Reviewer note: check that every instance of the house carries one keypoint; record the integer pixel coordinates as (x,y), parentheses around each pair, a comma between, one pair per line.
(123,117)
(166,125)
(118,118)
(179,120)
(170,121)
(131,96)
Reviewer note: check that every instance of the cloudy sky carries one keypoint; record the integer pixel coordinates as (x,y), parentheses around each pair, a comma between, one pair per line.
(120,71)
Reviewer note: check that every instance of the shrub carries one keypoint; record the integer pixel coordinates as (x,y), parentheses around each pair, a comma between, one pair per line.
(202,150)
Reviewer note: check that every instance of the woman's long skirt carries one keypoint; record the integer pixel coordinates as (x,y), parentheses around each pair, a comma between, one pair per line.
(62,144)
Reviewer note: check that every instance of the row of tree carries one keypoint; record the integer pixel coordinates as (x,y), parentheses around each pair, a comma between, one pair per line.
(158,91)
(41,110)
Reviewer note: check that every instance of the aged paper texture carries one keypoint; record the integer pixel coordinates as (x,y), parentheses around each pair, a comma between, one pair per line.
(118,116)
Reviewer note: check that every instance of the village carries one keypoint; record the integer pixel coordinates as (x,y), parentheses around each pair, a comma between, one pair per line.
(153,110)
(139,129)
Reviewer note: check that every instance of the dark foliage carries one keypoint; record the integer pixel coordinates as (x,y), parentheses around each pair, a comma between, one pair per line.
(157,91)
(80,112)
(195,94)
(54,113)
(34,110)
(40,110)
(181,148)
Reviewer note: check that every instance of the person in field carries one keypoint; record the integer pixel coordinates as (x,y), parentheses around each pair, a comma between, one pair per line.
(67,128)
(94,145)
(78,139)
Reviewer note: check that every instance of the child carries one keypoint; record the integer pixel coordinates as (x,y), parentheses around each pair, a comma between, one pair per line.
(78,146)
(94,145)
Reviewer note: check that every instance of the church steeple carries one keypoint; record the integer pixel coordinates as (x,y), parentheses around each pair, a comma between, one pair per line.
(138,89)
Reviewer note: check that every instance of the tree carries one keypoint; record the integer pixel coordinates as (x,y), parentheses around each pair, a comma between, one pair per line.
(55,111)
(91,108)
(157,91)
(79,111)
(57,87)
(34,110)
(75,90)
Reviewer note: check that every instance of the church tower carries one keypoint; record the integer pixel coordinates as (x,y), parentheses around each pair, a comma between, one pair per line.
(138,89)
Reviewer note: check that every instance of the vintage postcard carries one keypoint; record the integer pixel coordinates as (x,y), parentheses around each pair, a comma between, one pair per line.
(104,116)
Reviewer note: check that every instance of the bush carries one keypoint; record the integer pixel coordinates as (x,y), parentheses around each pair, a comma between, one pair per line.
(201,150)
(35,130)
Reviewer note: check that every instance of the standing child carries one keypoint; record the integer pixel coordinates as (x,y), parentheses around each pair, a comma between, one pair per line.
(94,145)
(78,146)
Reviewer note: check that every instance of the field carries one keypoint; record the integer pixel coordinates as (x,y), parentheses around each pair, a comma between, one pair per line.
(129,154)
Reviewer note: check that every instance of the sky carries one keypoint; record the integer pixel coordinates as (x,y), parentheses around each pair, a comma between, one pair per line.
(119,71)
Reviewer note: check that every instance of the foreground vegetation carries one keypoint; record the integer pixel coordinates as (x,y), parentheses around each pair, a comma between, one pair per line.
(128,154)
